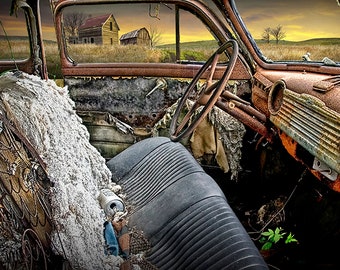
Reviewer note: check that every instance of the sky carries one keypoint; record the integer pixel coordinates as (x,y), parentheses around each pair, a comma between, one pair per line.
(304,19)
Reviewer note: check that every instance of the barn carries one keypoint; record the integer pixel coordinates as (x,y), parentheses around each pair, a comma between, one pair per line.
(140,37)
(101,30)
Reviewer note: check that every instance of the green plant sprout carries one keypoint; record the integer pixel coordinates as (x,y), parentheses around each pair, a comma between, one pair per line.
(271,237)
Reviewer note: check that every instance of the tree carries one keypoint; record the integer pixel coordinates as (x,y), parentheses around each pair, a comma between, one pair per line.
(72,22)
(266,34)
(155,36)
(278,33)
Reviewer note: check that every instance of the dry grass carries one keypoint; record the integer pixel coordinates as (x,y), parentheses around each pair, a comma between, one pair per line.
(295,52)
(104,54)
(53,60)
(197,51)
(17,49)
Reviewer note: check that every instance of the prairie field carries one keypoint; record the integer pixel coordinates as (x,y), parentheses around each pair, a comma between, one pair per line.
(293,51)
(17,49)
(195,51)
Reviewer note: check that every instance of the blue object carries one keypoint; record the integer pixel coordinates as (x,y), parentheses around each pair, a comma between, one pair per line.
(112,247)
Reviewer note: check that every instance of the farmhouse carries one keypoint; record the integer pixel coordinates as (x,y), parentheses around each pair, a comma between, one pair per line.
(140,37)
(99,30)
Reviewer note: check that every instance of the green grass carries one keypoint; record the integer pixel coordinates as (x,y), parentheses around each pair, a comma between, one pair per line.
(206,44)
(314,41)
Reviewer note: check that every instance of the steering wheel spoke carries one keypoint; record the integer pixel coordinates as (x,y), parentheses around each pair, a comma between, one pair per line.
(212,70)
(206,96)
(186,119)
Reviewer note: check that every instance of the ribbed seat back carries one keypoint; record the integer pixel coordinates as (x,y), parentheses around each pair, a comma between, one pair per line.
(206,236)
(181,210)
(156,171)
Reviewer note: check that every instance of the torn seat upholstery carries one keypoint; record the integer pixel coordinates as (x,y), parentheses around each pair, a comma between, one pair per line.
(181,210)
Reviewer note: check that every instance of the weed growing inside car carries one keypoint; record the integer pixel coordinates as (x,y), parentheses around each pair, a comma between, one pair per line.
(271,237)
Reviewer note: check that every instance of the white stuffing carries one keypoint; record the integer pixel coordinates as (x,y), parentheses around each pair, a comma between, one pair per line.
(46,115)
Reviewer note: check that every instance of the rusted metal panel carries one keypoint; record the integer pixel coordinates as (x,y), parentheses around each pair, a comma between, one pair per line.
(246,118)
(23,65)
(24,184)
(294,149)
(311,124)
(259,94)
(121,111)
(109,135)
(304,83)
(125,98)
(146,69)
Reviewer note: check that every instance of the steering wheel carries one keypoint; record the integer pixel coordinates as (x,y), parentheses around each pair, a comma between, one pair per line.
(206,96)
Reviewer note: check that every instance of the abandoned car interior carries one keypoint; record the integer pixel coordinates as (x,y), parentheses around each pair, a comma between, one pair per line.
(181,134)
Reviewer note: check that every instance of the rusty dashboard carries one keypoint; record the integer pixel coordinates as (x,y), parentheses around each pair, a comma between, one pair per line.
(305,110)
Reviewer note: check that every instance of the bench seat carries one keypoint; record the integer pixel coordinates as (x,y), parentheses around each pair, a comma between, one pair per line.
(181,210)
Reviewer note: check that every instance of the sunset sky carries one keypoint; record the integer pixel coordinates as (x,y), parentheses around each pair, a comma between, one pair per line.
(307,19)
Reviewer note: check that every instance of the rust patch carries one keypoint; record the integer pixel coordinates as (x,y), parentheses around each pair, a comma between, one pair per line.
(292,146)
(289,144)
